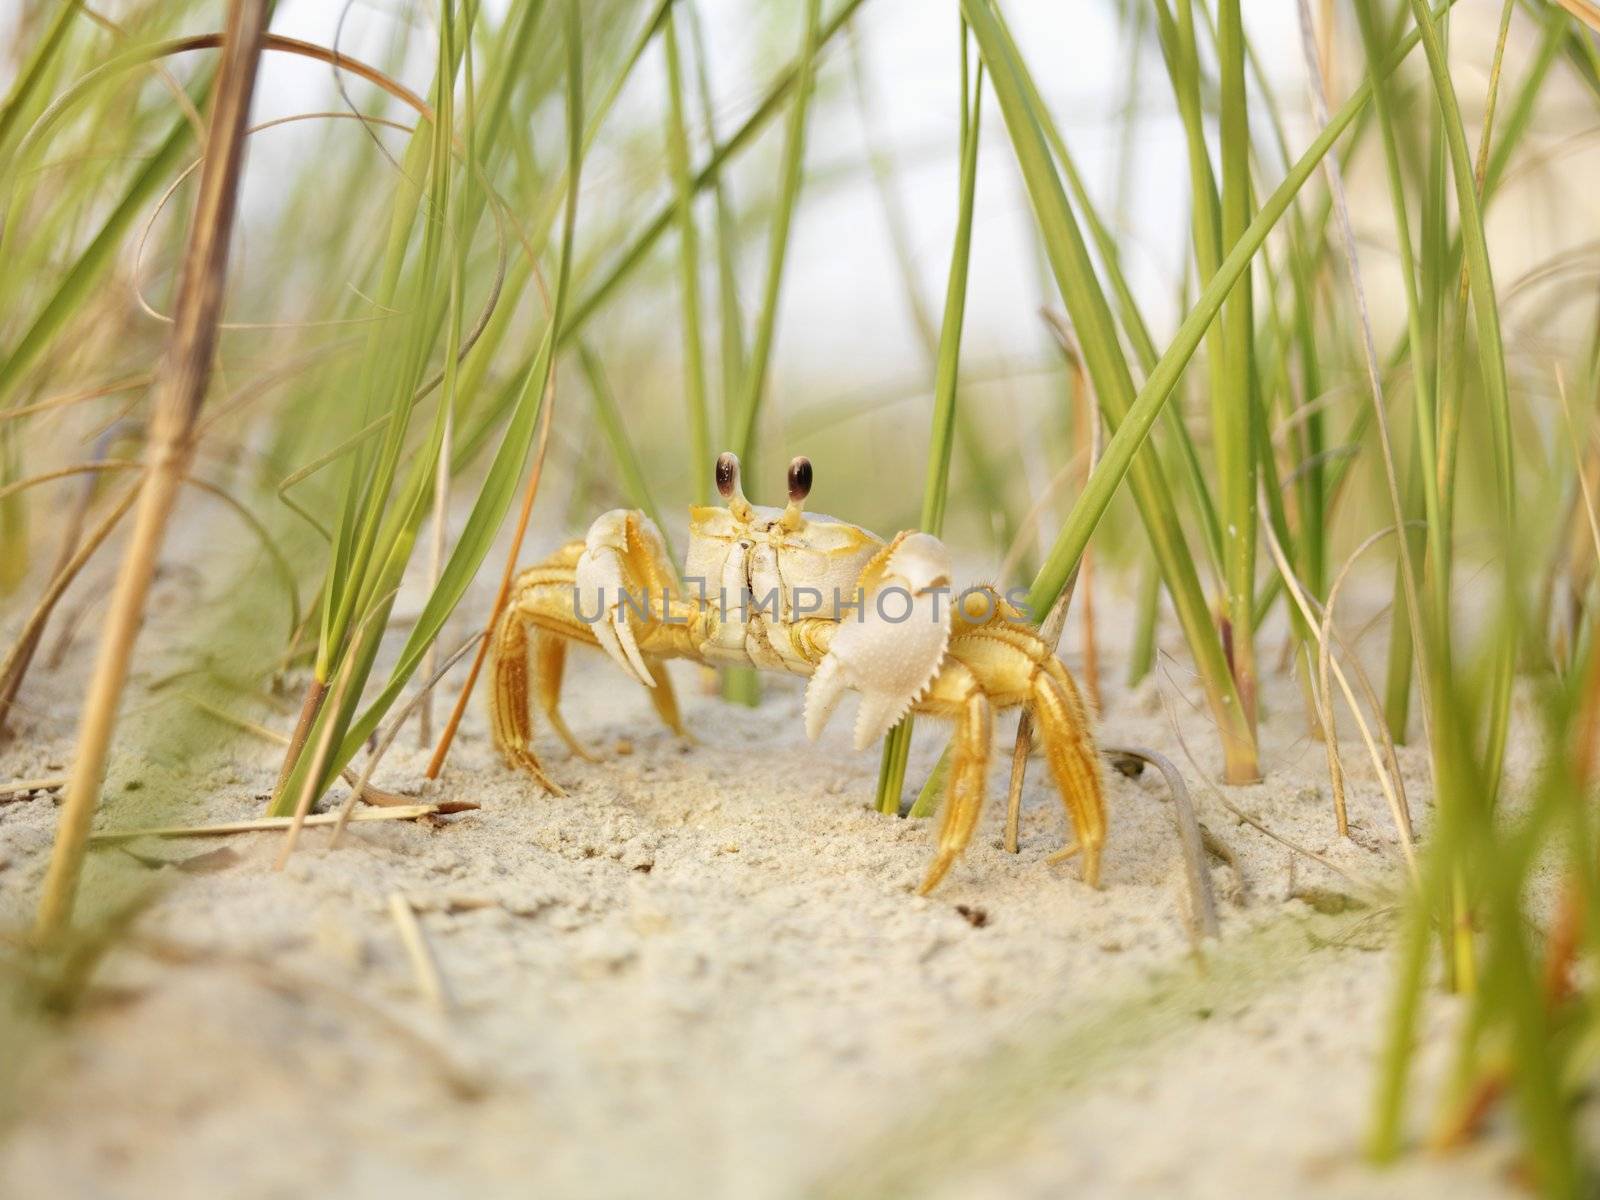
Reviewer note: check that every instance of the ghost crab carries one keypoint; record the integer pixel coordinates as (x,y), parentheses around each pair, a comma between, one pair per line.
(767,588)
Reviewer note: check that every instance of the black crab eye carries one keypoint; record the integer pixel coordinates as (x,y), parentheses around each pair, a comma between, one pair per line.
(799,479)
(727,473)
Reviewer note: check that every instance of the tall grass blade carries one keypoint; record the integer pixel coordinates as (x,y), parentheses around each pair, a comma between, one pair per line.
(694,370)
(771,105)
(1129,437)
(180,390)
(498,489)
(742,420)
(1234,424)
(1113,384)
(941,442)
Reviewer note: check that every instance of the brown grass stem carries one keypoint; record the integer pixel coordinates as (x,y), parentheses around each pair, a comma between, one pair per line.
(180,390)
(404,812)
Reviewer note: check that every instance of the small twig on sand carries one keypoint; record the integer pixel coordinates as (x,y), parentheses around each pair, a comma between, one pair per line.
(1202,899)
(22,787)
(406,812)
(429,981)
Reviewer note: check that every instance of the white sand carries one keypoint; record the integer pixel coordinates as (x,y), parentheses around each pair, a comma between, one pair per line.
(704,973)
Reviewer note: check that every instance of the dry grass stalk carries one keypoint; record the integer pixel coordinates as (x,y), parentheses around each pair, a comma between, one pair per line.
(1584,10)
(426,968)
(15,666)
(180,389)
(65,400)
(402,812)
(503,596)
(1347,241)
(1359,887)
(21,787)
(1397,809)
(1326,637)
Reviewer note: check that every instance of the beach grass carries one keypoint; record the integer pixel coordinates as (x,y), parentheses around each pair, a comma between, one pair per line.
(1349,355)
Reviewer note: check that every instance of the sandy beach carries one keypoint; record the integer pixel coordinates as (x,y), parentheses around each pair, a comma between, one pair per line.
(705,972)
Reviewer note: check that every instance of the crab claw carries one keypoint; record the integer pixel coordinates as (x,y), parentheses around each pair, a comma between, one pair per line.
(605,587)
(889,650)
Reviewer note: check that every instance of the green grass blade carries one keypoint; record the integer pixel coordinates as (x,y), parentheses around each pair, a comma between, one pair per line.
(1125,443)
(1128,312)
(500,485)
(615,428)
(771,105)
(742,421)
(700,449)
(1113,384)
(1491,350)
(941,442)
(91,264)
(29,80)
(1234,426)
(730,312)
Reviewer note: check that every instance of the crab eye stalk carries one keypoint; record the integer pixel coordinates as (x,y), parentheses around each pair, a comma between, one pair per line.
(799,488)
(728,485)
(727,474)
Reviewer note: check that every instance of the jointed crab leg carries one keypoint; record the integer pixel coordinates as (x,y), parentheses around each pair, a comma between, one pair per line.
(666,700)
(998,663)
(543,619)
(508,698)
(1063,726)
(956,692)
(549,665)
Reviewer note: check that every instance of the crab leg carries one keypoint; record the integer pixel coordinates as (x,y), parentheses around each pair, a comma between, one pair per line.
(665,700)
(543,619)
(550,663)
(508,698)
(957,690)
(1064,735)
(543,601)
(1009,664)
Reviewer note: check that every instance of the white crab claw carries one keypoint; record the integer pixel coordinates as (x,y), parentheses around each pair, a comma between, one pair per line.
(890,651)
(823,694)
(602,588)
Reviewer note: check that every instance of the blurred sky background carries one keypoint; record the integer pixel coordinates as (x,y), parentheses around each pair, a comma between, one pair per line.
(846,336)
(843,298)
